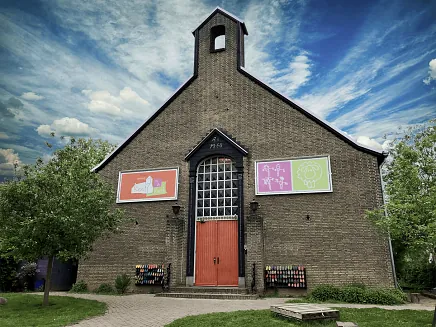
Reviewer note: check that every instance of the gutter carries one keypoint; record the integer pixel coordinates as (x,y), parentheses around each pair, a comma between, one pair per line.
(391,252)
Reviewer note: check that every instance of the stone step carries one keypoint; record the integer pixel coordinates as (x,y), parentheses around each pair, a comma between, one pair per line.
(214,290)
(219,296)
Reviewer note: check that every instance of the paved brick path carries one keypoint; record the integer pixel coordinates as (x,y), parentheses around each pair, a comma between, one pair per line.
(147,310)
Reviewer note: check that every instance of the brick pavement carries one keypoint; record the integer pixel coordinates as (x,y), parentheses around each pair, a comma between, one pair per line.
(148,310)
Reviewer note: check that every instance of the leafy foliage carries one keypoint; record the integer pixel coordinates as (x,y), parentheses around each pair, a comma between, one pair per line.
(27,274)
(357,294)
(104,289)
(79,287)
(415,272)
(8,274)
(410,188)
(60,208)
(29,269)
(326,292)
(122,282)
(410,177)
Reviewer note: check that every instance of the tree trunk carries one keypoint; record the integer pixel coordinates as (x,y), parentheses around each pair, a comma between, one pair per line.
(48,280)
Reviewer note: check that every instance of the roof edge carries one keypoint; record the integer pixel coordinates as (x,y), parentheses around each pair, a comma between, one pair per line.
(225,13)
(144,124)
(379,153)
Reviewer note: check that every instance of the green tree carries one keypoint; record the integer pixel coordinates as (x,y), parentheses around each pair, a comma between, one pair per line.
(59,208)
(410,190)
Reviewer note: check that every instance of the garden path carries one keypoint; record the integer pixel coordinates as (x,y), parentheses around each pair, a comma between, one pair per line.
(147,310)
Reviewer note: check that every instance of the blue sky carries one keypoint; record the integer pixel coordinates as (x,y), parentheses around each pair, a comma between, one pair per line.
(100,68)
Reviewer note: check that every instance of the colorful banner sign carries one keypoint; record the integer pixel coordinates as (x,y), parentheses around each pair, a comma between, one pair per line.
(148,185)
(305,175)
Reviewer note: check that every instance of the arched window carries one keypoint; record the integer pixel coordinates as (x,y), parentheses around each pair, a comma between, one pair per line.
(218,38)
(217,188)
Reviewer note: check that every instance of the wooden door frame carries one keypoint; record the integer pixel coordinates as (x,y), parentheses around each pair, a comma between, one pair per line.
(228,147)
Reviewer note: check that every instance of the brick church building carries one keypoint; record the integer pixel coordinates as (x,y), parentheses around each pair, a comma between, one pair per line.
(237,186)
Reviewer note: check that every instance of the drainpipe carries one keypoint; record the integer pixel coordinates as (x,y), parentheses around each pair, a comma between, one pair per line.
(391,252)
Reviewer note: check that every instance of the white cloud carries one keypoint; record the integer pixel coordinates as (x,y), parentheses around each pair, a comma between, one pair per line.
(431,72)
(47,157)
(3,136)
(367,77)
(71,126)
(390,124)
(297,74)
(148,46)
(335,98)
(127,102)
(66,126)
(266,20)
(31,96)
(367,141)
(143,37)
(44,130)
(8,157)
(387,145)
(377,100)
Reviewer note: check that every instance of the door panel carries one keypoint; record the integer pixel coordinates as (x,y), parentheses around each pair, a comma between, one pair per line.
(227,252)
(206,250)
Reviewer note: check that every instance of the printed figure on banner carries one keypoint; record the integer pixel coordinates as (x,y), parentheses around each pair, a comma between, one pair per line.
(148,185)
(274,176)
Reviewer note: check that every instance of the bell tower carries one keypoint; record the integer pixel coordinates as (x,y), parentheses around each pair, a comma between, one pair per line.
(219,43)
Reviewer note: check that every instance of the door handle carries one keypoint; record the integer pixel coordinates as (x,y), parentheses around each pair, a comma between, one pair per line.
(214,260)
(218,260)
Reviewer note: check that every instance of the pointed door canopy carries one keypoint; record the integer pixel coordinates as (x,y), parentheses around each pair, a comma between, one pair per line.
(217,142)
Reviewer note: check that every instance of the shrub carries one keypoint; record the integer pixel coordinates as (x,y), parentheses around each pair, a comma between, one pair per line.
(416,274)
(122,282)
(79,287)
(386,296)
(352,294)
(325,293)
(104,289)
(8,274)
(358,285)
(27,274)
(358,294)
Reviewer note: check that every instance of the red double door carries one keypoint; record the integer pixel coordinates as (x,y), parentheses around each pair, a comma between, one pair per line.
(216,261)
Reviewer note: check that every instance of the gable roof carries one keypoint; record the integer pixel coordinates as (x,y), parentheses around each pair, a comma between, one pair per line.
(342,135)
(220,132)
(143,125)
(224,13)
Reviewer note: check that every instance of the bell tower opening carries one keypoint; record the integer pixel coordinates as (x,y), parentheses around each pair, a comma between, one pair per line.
(218,38)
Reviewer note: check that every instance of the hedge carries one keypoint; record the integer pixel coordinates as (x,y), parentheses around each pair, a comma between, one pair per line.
(358,294)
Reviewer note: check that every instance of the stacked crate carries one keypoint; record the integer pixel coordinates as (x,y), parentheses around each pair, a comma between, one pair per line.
(149,274)
(285,276)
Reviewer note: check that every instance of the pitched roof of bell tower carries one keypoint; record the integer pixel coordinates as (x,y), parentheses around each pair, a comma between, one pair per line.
(226,14)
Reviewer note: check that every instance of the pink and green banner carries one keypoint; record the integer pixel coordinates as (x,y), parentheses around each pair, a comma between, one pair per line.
(304,175)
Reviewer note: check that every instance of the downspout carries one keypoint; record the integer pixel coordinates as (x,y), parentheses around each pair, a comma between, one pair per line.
(391,252)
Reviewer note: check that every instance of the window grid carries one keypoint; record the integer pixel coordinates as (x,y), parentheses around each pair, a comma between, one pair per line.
(217,188)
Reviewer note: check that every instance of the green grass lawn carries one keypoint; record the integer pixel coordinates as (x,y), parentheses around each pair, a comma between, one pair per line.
(26,310)
(363,317)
